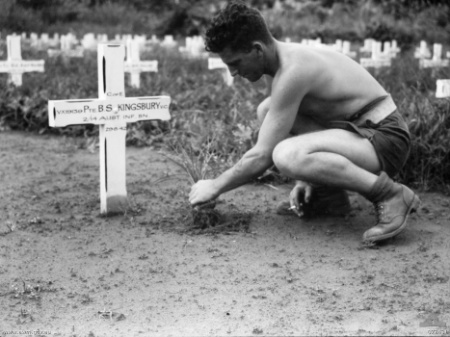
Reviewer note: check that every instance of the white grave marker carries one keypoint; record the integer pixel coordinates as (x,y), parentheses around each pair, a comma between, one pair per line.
(89,41)
(377,60)
(442,88)
(135,66)
(67,42)
(168,41)
(367,47)
(195,47)
(111,111)
(217,63)
(395,49)
(423,51)
(14,65)
(436,61)
(346,49)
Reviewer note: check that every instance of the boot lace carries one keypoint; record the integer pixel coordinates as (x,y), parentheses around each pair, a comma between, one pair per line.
(379,210)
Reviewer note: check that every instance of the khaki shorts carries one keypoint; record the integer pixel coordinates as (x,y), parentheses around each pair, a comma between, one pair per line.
(390,137)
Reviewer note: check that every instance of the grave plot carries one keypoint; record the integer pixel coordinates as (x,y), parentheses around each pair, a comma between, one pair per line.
(111,111)
(15,66)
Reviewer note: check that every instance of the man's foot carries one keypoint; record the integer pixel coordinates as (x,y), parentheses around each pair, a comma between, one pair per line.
(325,201)
(392,214)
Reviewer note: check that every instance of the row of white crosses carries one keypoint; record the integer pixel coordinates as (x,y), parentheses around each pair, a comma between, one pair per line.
(381,53)
(69,47)
(428,60)
(425,59)
(43,41)
(14,65)
(111,111)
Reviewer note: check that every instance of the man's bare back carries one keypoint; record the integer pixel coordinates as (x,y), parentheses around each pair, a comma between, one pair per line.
(336,86)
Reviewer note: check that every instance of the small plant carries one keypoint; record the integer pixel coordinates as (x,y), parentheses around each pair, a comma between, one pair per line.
(197,166)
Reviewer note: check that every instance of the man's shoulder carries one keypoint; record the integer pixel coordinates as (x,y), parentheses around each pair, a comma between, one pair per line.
(294,72)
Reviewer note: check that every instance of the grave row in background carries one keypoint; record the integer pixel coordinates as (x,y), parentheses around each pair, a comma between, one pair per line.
(381,54)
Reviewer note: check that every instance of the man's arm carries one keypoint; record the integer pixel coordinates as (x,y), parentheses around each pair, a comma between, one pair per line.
(287,93)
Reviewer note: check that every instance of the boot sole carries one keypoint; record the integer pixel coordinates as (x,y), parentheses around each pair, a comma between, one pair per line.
(413,207)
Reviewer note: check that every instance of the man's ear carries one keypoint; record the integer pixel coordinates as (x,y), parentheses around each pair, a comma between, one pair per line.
(258,47)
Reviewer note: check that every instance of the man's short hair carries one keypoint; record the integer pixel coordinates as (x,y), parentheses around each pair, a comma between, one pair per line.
(236,26)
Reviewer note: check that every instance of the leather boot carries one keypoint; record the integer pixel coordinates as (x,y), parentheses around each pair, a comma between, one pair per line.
(325,201)
(393,203)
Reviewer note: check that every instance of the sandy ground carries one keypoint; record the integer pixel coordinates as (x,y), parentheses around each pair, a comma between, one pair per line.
(67,271)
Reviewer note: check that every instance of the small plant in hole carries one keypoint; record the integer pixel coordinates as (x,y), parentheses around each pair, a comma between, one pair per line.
(198,165)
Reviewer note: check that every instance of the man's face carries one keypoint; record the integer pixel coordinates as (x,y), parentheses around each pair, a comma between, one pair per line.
(245,64)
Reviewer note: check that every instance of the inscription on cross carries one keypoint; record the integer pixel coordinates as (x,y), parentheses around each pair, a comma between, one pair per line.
(14,65)
(111,111)
(135,66)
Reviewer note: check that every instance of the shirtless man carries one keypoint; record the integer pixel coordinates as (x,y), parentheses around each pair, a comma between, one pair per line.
(347,132)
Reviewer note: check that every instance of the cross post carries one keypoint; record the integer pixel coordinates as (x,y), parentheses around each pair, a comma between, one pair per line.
(111,111)
(14,65)
(217,63)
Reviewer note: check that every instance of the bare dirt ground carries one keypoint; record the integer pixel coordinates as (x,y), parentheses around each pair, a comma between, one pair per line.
(67,271)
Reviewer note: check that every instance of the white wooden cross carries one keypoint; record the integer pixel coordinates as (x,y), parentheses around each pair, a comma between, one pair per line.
(169,41)
(111,111)
(442,88)
(66,51)
(367,47)
(14,65)
(346,49)
(423,51)
(377,60)
(194,48)
(436,61)
(217,63)
(135,66)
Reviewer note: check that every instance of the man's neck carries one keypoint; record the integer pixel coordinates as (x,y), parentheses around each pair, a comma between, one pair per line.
(271,60)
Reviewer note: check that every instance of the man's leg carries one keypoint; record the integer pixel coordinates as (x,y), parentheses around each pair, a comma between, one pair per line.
(346,160)
(332,157)
(325,200)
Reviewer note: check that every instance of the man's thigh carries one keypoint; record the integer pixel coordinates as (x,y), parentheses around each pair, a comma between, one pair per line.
(352,146)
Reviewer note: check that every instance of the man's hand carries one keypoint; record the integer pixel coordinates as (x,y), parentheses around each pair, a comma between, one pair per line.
(301,188)
(203,191)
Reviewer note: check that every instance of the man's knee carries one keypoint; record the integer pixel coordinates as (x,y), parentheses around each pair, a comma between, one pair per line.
(290,158)
(263,109)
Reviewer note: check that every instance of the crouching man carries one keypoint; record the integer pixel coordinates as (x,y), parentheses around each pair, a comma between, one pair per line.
(328,123)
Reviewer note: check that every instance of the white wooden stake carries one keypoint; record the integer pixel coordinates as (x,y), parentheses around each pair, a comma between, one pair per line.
(111,111)
(442,88)
(217,63)
(14,65)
